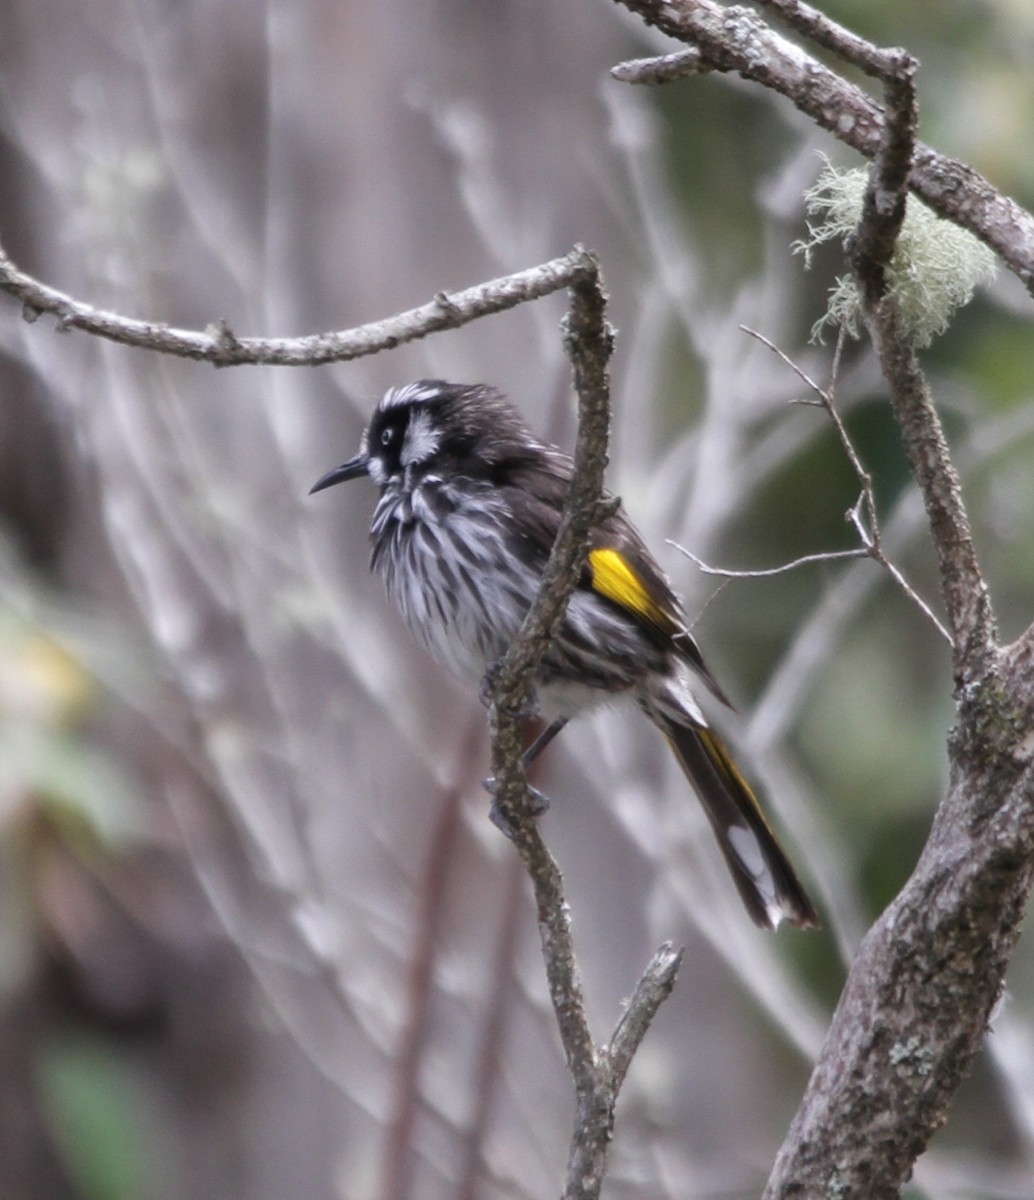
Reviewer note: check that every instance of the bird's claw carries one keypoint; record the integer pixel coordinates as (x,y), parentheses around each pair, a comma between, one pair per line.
(537,803)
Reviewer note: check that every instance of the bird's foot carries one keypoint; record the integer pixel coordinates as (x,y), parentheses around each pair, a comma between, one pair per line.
(537,802)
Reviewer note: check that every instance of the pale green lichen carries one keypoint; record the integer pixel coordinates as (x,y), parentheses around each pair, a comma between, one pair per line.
(913,1053)
(934,270)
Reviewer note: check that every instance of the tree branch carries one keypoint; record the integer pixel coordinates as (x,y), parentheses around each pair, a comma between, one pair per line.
(661,68)
(970,617)
(825,32)
(967,601)
(735,39)
(883,209)
(920,993)
(597,1073)
(651,991)
(221,347)
(919,997)
(805,560)
(867,526)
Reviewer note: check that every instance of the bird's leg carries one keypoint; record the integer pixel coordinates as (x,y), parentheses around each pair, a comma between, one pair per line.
(542,741)
(538,801)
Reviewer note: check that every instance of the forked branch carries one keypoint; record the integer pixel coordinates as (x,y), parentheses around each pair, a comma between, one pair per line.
(598,1072)
(731,38)
(918,999)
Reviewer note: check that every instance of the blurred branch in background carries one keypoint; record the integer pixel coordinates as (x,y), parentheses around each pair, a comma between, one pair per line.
(287,742)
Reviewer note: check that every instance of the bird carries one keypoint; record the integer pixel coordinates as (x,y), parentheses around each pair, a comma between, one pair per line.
(469,505)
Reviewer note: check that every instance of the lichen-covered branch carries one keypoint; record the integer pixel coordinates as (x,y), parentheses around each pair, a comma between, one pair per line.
(920,992)
(736,39)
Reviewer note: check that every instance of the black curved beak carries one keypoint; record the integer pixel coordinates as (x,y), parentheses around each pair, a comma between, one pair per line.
(360,465)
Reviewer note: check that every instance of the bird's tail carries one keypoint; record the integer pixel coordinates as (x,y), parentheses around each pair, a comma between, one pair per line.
(763,875)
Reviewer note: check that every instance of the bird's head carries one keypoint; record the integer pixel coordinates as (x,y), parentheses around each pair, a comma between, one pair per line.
(432,426)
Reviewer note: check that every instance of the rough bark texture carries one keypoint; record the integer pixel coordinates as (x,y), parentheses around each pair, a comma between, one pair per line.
(926,978)
(919,997)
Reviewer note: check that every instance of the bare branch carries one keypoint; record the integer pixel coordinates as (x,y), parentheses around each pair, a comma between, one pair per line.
(511,687)
(916,1005)
(597,1074)
(919,995)
(967,601)
(662,69)
(970,618)
(825,32)
(883,211)
(589,342)
(651,991)
(867,527)
(221,347)
(918,998)
(735,39)
(869,536)
(806,560)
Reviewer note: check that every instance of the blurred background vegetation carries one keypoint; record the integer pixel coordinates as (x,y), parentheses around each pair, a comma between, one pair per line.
(256,936)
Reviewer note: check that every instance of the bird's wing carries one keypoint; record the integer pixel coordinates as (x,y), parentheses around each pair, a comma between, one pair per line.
(620,567)
(624,571)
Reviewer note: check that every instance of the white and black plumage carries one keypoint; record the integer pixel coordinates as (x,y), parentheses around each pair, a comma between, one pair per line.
(470,501)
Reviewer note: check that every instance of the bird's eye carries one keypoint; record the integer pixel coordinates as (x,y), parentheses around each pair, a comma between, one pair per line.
(387,436)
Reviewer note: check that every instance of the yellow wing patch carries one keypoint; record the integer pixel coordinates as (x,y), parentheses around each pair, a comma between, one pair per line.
(614,578)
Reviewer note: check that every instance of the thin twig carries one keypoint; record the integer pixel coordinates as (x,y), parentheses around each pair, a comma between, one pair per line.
(867,527)
(768,572)
(511,686)
(826,32)
(874,548)
(651,991)
(589,342)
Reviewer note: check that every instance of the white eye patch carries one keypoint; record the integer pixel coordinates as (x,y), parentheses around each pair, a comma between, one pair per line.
(421,441)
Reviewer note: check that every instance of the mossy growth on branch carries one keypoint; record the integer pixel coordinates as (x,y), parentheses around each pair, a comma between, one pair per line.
(935,268)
